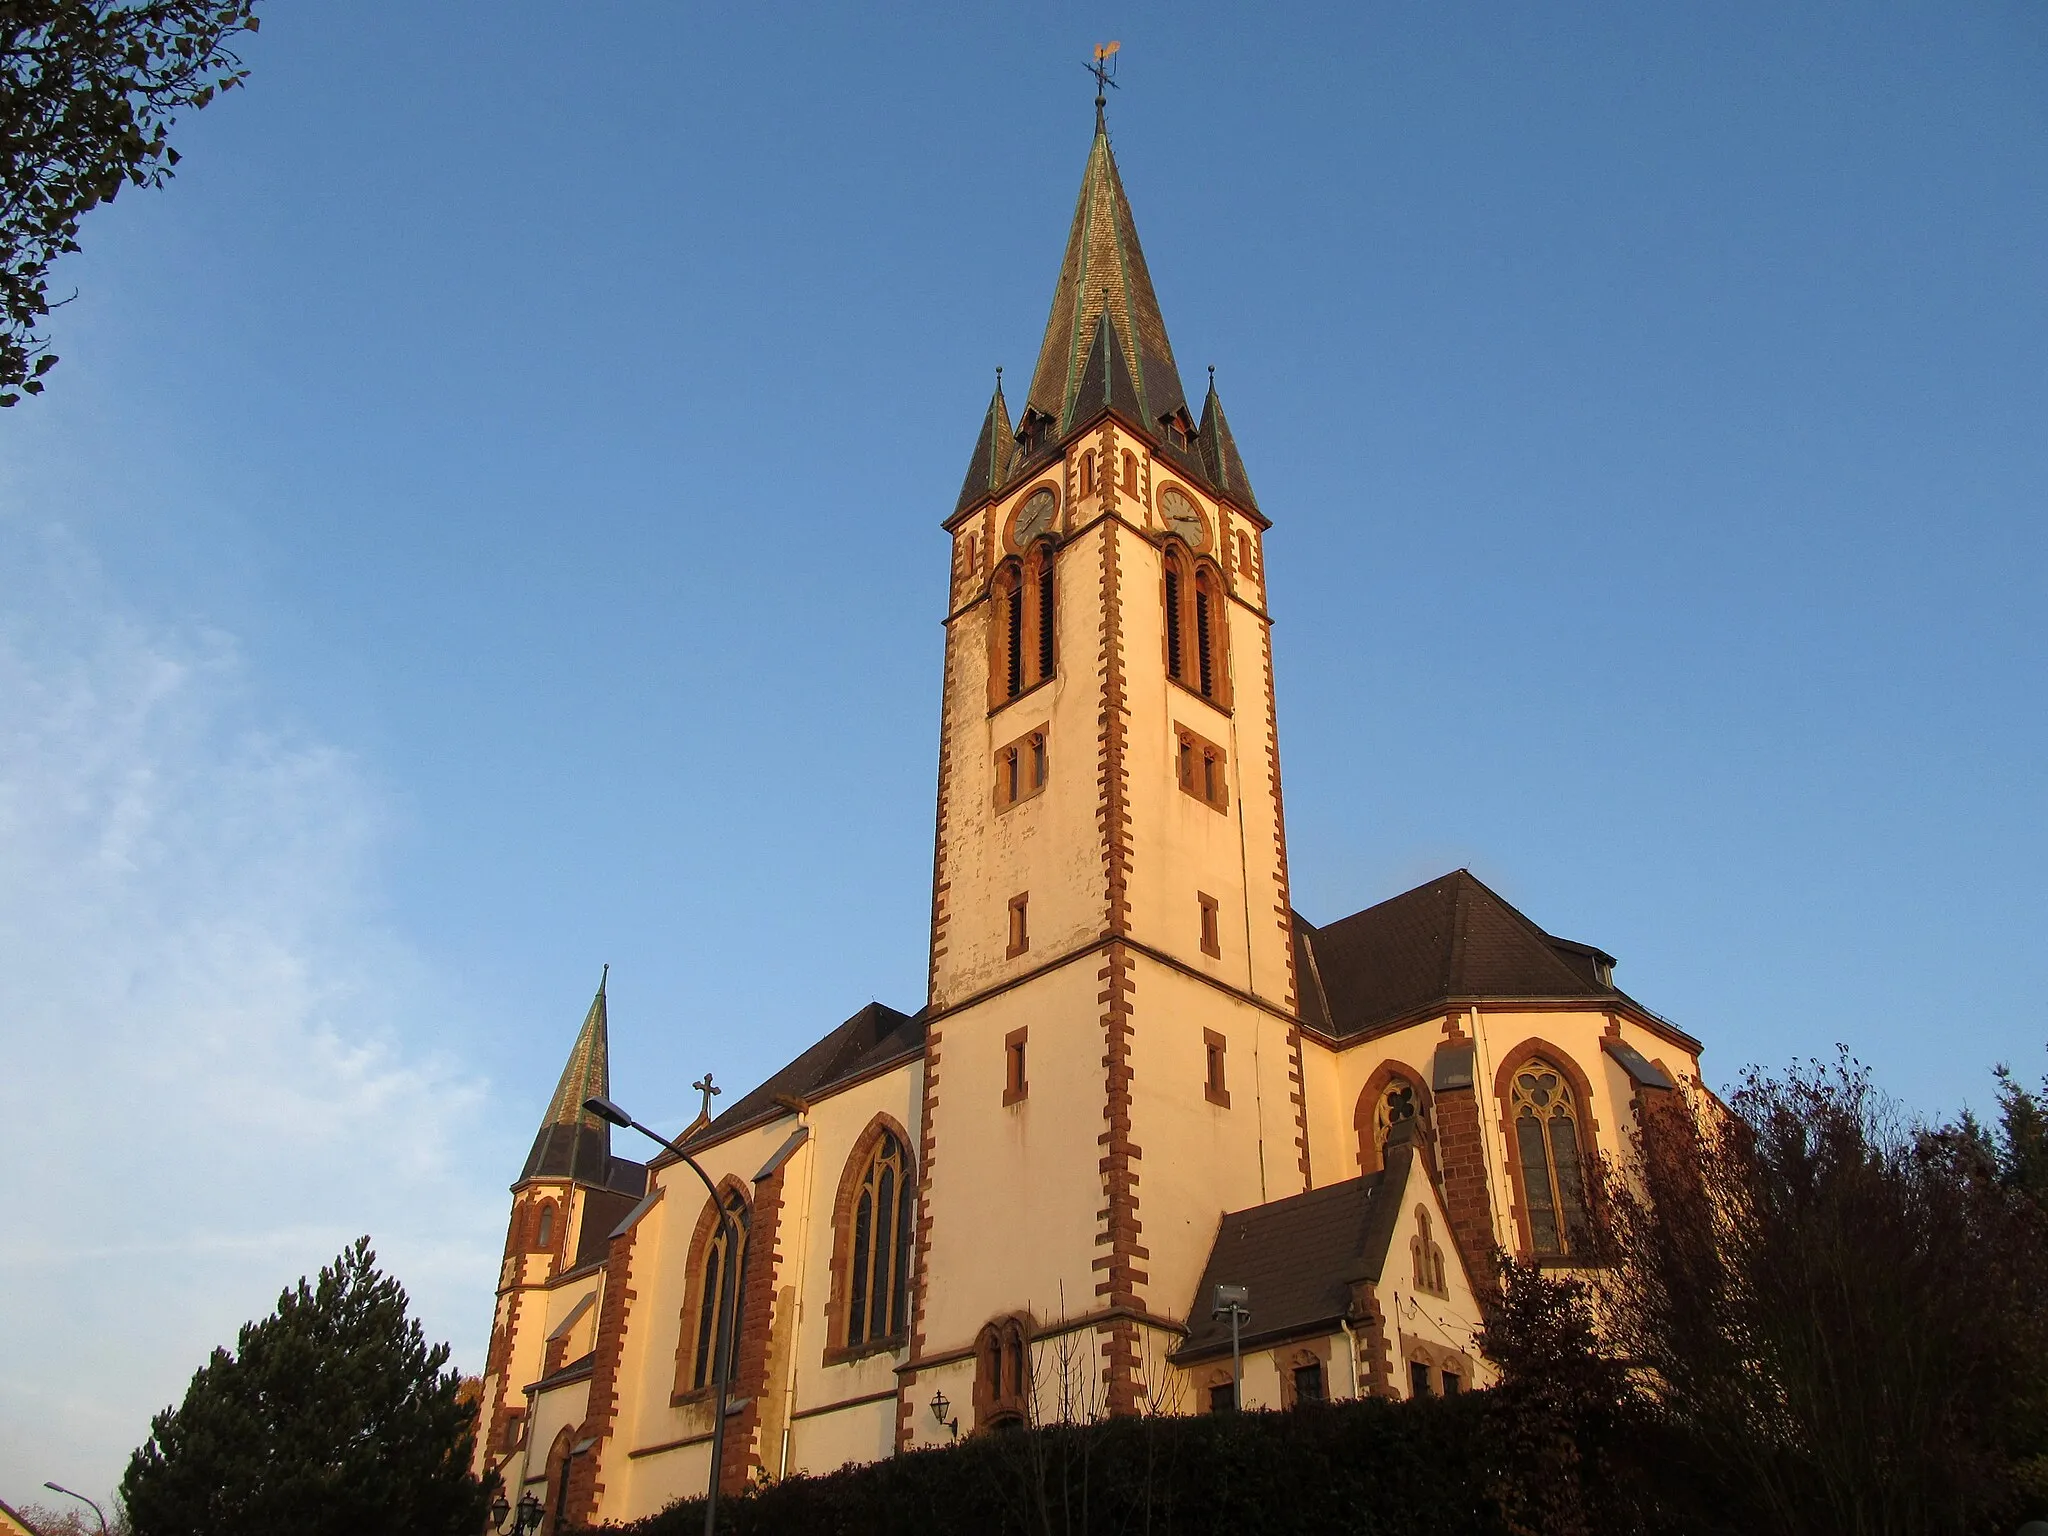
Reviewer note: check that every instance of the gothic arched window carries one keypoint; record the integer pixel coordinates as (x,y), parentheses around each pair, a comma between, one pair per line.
(1546,1131)
(711,1312)
(544,1229)
(1088,473)
(1427,1256)
(1196,625)
(878,1246)
(1022,620)
(1002,1374)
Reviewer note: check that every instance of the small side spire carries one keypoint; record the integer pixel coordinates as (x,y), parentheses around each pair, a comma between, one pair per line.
(1219,453)
(995,450)
(572,1143)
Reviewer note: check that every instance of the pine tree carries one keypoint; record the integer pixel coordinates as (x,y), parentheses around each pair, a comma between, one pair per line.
(332,1415)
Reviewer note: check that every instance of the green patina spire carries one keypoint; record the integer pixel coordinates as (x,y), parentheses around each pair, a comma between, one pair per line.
(572,1142)
(1104,273)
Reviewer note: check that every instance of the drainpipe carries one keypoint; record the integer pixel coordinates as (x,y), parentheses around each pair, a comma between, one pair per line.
(1351,1339)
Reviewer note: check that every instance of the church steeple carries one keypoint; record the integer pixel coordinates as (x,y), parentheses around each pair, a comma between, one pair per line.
(1104,272)
(1219,452)
(573,1143)
(994,451)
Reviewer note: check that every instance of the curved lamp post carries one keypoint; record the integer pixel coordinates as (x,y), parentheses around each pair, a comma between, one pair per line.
(728,1310)
(60,1488)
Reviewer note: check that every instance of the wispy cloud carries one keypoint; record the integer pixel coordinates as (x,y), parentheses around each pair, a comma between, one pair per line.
(218,1065)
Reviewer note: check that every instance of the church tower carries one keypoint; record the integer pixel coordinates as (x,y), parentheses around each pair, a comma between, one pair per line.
(570,1194)
(1112,1054)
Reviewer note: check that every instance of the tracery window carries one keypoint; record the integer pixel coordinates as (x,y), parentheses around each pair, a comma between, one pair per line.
(1398,1101)
(878,1246)
(712,1314)
(1002,1374)
(1546,1122)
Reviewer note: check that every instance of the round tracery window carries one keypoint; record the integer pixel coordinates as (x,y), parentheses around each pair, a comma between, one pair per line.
(1398,1102)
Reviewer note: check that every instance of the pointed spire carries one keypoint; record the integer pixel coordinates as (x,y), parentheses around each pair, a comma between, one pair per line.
(994,452)
(1219,452)
(1104,271)
(1106,379)
(573,1143)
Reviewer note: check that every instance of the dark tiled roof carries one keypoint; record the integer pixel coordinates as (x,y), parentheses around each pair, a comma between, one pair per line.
(994,453)
(1220,458)
(1300,1257)
(572,1144)
(1450,939)
(1104,269)
(878,1033)
(603,1210)
(1106,382)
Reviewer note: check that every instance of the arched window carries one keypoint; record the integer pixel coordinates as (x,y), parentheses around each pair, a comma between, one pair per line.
(878,1246)
(1546,1136)
(711,1314)
(1176,593)
(1130,473)
(1088,473)
(544,1228)
(1208,637)
(1022,624)
(1195,625)
(1002,1374)
(1427,1256)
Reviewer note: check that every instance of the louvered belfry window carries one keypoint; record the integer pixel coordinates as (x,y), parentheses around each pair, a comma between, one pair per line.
(1547,1155)
(1023,625)
(878,1257)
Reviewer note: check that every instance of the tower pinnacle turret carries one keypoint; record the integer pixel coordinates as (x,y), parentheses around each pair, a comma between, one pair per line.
(572,1143)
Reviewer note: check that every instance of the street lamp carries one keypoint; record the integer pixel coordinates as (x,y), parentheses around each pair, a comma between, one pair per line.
(528,1516)
(1234,1301)
(499,1510)
(939,1407)
(728,1311)
(60,1488)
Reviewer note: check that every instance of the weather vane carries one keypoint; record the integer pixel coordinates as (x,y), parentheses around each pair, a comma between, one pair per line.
(1104,71)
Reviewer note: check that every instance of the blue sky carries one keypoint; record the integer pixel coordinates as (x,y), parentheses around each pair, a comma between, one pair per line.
(485,526)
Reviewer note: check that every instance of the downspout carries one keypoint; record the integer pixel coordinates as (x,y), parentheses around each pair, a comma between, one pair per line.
(1351,1339)
(803,1255)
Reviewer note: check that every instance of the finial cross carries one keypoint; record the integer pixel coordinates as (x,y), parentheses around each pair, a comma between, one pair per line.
(709,1089)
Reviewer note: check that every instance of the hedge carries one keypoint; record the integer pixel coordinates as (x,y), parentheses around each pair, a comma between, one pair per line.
(1374,1467)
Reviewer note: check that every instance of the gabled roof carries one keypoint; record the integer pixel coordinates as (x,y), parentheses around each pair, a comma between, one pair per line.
(1453,938)
(994,450)
(878,1034)
(1301,1256)
(1104,269)
(1220,458)
(572,1143)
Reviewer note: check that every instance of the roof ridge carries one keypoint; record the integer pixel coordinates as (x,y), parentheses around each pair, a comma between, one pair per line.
(1530,927)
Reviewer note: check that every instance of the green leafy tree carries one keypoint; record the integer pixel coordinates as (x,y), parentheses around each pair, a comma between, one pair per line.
(89,90)
(332,1416)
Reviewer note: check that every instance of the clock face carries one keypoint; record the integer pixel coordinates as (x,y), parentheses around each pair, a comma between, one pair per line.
(1035,516)
(1183,516)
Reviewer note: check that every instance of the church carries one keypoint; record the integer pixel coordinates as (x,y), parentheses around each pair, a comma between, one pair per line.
(1140,1084)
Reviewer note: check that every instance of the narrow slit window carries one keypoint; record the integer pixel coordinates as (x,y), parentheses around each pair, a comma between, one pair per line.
(1015,1084)
(1212,944)
(1130,473)
(1038,760)
(1088,473)
(1020,933)
(1214,1051)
